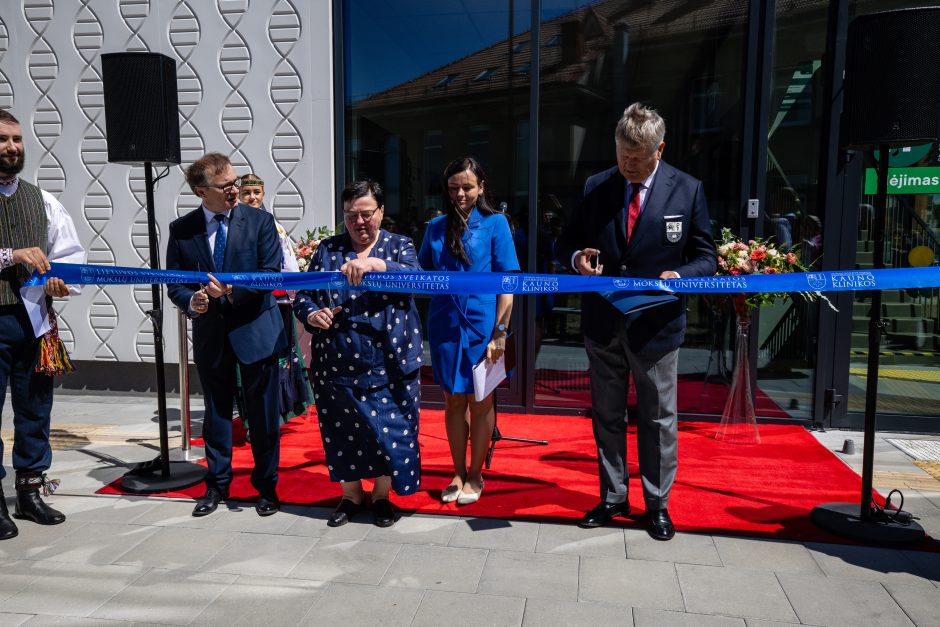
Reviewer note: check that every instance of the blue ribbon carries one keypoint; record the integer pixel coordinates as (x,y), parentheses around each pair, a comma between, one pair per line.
(426,282)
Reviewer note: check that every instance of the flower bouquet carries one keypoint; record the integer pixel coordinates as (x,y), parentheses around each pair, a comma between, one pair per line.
(737,257)
(307,245)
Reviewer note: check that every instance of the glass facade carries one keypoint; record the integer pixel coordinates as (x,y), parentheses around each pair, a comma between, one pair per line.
(686,61)
(909,361)
(745,89)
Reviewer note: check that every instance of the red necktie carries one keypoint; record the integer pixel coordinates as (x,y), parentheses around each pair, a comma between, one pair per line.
(633,211)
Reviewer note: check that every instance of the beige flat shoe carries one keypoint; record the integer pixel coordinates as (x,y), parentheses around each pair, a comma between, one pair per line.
(450,494)
(466,498)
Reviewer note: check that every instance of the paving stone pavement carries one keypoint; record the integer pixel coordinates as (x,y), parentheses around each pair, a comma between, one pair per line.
(146,561)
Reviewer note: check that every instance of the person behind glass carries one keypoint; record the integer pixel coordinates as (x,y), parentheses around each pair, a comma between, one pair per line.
(35,229)
(642,218)
(367,349)
(471,236)
(232,326)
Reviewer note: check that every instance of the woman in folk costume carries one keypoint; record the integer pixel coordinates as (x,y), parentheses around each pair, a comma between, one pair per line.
(296,394)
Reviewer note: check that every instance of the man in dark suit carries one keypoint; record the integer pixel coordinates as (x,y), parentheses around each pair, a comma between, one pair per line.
(231,325)
(644,219)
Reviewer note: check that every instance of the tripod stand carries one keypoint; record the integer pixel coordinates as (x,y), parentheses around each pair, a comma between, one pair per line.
(497,436)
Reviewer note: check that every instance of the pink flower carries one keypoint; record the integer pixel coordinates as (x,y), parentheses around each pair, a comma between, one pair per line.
(305,251)
(734,271)
(722,263)
(791,258)
(770,271)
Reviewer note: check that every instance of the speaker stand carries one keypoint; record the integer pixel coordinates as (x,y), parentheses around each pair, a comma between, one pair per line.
(864,522)
(159,474)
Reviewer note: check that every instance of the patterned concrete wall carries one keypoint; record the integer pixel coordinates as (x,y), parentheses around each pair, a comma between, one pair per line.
(255,82)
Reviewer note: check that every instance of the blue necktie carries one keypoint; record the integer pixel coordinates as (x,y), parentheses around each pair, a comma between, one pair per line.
(218,251)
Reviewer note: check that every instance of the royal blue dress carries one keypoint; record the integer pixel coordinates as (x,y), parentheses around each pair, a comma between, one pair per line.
(460,326)
(366,369)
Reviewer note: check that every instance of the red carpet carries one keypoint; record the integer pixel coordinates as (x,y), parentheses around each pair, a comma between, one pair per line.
(766,490)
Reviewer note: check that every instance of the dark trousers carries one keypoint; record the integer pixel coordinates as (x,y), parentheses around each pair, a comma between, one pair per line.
(260,384)
(31,392)
(657,423)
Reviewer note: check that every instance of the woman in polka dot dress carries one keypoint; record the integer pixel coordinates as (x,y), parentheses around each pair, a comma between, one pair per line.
(367,352)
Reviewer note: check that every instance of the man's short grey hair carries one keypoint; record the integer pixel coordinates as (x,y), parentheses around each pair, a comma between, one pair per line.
(641,126)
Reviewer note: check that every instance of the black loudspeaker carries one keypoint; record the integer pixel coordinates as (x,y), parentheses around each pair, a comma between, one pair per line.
(140,107)
(892,81)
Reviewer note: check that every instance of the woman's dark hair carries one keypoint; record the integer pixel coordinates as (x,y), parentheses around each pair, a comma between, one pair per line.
(455,223)
(361,189)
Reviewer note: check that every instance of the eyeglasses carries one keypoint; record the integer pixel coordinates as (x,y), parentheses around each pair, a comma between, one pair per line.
(224,187)
(353,216)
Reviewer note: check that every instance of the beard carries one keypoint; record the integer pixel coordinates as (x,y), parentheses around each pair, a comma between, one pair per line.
(7,169)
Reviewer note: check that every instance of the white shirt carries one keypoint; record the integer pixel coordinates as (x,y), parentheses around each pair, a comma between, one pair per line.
(63,245)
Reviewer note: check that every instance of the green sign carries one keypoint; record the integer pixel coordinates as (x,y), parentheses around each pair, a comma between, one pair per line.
(905,180)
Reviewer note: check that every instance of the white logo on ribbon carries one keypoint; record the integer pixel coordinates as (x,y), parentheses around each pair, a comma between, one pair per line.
(88,276)
(816,281)
(510,283)
(621,282)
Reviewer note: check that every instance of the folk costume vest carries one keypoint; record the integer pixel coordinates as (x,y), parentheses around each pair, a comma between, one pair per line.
(23,224)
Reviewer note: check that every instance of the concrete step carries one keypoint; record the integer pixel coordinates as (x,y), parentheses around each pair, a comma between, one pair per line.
(914,341)
(868,265)
(920,326)
(887,297)
(862,308)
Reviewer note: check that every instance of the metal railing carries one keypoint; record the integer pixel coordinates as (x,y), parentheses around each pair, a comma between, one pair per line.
(183,322)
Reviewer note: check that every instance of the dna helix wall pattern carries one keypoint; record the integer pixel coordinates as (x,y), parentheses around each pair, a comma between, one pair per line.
(254,81)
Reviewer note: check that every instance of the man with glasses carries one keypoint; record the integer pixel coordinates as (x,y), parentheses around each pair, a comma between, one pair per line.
(231,325)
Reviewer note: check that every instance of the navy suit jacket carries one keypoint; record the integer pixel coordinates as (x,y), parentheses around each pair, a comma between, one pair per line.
(247,318)
(600,222)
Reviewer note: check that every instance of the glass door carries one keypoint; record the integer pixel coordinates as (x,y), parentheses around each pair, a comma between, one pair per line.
(426,82)
(596,58)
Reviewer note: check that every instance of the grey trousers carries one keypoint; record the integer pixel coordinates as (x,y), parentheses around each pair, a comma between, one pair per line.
(655,378)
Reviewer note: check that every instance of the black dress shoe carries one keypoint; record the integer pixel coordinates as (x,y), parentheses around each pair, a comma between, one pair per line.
(602,513)
(660,525)
(383,513)
(344,513)
(209,502)
(267,505)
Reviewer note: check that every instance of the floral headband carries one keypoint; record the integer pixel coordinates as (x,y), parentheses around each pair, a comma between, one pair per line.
(251,181)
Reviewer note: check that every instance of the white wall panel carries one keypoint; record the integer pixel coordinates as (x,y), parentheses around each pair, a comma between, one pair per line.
(254,81)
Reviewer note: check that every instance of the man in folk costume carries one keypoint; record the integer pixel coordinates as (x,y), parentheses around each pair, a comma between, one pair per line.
(34,229)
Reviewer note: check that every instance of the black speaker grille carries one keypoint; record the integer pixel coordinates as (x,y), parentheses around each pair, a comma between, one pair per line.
(140,106)
(892,78)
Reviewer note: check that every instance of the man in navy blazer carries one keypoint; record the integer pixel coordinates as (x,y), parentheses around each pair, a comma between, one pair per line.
(232,326)
(644,219)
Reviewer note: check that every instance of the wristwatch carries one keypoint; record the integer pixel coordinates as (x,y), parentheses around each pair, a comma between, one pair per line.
(502,327)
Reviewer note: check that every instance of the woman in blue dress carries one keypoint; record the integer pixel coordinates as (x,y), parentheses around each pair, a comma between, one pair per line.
(471,236)
(366,349)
